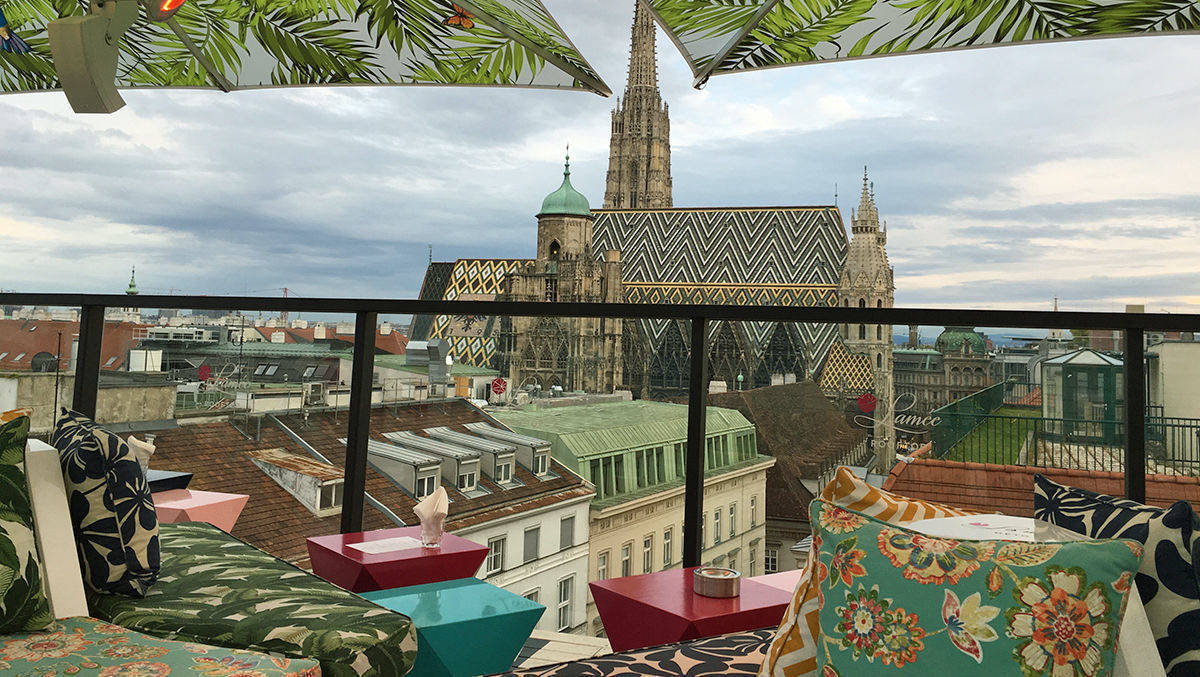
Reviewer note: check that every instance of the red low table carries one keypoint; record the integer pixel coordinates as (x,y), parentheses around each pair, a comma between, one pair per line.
(186,505)
(660,608)
(396,564)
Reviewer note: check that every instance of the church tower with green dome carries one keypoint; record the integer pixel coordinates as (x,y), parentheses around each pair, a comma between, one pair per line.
(568,353)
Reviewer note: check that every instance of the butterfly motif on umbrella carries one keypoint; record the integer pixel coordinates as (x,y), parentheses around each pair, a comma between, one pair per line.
(461,18)
(9,40)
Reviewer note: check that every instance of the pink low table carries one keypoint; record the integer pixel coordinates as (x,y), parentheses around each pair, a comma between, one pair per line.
(660,608)
(392,558)
(187,505)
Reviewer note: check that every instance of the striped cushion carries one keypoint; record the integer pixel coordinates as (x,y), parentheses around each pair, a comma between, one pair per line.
(793,651)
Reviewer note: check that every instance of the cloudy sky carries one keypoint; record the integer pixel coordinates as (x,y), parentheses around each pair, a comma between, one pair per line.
(1007,176)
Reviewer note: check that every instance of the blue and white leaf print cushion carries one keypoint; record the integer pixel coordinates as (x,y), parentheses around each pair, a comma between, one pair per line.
(116,526)
(1167,580)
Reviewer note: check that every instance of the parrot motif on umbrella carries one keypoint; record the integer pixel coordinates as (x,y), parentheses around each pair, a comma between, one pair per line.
(10,41)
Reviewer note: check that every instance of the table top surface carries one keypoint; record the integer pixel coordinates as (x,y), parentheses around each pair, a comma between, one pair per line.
(447,602)
(339,544)
(190,498)
(995,527)
(671,591)
(784,580)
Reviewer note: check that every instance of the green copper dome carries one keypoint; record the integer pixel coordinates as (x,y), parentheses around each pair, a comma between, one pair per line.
(952,339)
(566,200)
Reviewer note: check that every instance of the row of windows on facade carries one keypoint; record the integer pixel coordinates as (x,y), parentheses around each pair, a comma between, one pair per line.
(668,547)
(964,377)
(498,547)
(651,465)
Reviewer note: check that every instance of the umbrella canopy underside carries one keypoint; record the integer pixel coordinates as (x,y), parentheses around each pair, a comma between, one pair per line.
(275,43)
(724,36)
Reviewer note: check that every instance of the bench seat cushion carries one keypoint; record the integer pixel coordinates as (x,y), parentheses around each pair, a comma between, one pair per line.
(215,589)
(89,646)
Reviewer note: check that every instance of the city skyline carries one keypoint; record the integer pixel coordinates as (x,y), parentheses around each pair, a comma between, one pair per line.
(1083,196)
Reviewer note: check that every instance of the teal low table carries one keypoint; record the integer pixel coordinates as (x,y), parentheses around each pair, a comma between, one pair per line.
(464,627)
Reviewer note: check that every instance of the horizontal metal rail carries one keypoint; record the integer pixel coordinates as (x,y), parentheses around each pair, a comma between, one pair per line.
(1133,326)
(835,315)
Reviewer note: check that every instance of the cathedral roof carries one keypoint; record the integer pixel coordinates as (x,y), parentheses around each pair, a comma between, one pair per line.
(566,200)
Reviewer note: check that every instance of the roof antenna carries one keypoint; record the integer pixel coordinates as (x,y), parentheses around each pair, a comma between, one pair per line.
(431,254)
(835,194)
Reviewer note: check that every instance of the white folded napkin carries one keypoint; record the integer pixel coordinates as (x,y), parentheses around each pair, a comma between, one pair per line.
(432,513)
(141,450)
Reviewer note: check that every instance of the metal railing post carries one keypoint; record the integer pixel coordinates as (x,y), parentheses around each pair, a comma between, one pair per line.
(361,382)
(1135,412)
(693,493)
(87,361)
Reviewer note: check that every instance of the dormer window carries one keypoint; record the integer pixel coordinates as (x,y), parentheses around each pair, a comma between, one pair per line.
(541,464)
(426,485)
(503,473)
(466,482)
(331,496)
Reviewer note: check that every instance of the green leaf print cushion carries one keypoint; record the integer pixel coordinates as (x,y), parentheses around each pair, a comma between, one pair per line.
(23,604)
(892,597)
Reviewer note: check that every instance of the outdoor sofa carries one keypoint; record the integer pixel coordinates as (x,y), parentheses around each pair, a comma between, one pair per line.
(219,607)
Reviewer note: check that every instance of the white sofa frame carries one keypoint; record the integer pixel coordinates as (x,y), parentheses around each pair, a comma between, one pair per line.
(55,537)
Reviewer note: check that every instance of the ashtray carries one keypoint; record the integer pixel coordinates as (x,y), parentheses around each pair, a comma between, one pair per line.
(716,582)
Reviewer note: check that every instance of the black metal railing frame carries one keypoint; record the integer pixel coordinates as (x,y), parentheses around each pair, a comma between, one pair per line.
(367,311)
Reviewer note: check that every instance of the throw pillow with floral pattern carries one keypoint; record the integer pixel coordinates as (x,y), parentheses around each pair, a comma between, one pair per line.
(893,597)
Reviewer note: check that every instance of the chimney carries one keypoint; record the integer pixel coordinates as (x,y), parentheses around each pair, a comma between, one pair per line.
(278,337)
(385,329)
(319,331)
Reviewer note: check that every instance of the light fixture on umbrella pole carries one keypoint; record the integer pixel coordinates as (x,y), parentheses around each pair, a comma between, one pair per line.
(85,50)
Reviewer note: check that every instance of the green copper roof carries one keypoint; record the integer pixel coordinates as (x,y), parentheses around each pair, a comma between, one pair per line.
(132,288)
(566,200)
(594,429)
(952,339)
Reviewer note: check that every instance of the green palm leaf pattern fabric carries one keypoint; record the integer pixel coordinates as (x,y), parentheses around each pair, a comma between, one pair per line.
(722,36)
(86,646)
(271,43)
(23,603)
(215,589)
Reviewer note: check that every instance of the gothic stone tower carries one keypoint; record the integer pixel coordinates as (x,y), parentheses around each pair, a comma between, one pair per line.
(867,283)
(639,160)
(573,353)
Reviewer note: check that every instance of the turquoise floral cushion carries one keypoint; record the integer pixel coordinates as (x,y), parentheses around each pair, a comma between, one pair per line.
(892,597)
(86,646)
(116,526)
(23,604)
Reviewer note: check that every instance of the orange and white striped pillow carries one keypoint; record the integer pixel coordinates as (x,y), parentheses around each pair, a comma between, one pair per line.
(793,651)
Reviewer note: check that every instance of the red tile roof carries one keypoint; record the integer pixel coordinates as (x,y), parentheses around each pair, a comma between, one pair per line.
(29,338)
(393,342)
(276,522)
(1009,488)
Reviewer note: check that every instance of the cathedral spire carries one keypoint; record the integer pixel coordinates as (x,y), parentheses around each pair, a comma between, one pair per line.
(639,158)
(643,61)
(132,289)
(867,216)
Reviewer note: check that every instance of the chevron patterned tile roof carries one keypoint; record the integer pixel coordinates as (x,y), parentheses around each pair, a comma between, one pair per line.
(736,256)
(742,256)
